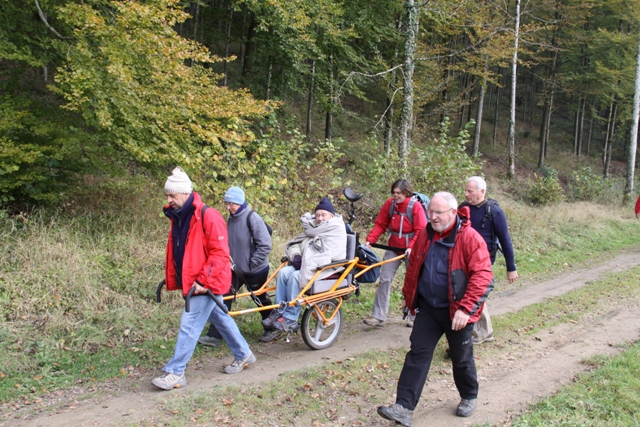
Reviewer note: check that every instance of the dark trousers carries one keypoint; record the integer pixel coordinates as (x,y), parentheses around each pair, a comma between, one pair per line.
(253,283)
(428,327)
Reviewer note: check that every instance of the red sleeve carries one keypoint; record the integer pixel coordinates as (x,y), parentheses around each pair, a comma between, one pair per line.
(382,222)
(216,272)
(638,206)
(419,221)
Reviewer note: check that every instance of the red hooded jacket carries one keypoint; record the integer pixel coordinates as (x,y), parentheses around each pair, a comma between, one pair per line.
(206,259)
(470,275)
(393,224)
(638,206)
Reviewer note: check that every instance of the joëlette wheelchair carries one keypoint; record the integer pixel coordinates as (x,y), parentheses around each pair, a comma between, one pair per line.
(322,318)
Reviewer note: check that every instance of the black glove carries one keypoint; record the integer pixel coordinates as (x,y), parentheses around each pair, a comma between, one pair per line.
(297,262)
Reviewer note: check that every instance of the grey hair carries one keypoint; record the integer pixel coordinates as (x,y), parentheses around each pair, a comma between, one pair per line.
(450,198)
(480,182)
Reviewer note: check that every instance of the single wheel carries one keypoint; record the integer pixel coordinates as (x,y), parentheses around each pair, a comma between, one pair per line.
(315,333)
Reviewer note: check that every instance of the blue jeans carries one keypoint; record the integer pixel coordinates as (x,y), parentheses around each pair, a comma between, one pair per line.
(191,326)
(287,288)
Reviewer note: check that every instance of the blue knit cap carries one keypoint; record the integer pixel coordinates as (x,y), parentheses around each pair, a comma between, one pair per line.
(325,204)
(234,195)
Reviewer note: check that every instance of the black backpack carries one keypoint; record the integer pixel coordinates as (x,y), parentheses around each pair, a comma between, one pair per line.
(269,229)
(488,216)
(368,257)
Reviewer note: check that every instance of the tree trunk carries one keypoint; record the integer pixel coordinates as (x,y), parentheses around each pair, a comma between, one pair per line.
(225,71)
(310,99)
(269,75)
(612,131)
(581,126)
(328,126)
(483,89)
(590,136)
(388,127)
(495,116)
(633,138)
(406,115)
(514,78)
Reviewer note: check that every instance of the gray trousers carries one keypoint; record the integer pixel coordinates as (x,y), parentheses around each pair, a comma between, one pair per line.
(387,273)
(483,327)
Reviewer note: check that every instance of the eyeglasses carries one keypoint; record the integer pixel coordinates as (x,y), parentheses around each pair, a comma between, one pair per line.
(438,213)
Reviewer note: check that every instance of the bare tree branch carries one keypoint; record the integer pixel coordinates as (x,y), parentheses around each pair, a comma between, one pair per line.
(44,19)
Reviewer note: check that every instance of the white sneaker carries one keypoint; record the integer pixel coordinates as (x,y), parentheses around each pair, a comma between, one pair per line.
(170,381)
(239,364)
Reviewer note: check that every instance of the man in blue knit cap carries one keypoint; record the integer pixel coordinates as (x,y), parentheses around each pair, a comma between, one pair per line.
(250,245)
(323,240)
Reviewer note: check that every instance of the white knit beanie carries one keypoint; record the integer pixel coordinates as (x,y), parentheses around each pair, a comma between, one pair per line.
(178,182)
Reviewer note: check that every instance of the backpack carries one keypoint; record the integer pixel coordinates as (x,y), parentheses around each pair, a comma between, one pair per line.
(488,216)
(416,197)
(368,257)
(269,229)
(419,197)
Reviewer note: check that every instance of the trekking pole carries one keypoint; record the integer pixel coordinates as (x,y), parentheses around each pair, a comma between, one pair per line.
(219,303)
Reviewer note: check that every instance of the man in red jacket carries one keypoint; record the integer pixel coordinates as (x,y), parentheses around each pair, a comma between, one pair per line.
(638,208)
(198,257)
(447,281)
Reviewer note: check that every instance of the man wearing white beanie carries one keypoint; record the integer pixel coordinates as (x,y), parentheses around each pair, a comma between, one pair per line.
(194,226)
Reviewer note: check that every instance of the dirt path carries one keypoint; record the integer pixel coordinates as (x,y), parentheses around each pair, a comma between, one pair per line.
(508,381)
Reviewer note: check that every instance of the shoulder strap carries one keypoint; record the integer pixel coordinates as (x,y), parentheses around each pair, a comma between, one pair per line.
(202,211)
(410,209)
(249,223)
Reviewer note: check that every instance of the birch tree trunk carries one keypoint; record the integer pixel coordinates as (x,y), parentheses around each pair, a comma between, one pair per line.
(310,99)
(514,78)
(406,115)
(225,71)
(611,128)
(633,138)
(483,89)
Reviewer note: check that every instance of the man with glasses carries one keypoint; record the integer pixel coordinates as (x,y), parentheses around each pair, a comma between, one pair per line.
(447,281)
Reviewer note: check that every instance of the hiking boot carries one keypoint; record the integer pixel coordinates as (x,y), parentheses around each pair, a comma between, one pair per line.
(269,335)
(239,364)
(478,340)
(269,321)
(210,341)
(372,321)
(286,325)
(170,381)
(466,407)
(397,413)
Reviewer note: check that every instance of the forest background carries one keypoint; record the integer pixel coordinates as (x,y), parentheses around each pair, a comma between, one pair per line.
(292,101)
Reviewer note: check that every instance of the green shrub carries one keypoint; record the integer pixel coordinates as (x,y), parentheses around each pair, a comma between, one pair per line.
(585,185)
(443,165)
(545,189)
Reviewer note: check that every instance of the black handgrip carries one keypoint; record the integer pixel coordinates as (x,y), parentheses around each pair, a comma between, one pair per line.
(187,300)
(159,291)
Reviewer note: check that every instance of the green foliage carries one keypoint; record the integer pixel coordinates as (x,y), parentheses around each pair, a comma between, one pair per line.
(585,185)
(545,189)
(279,170)
(443,165)
(128,75)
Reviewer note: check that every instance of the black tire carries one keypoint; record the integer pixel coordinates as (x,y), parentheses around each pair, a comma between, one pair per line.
(314,333)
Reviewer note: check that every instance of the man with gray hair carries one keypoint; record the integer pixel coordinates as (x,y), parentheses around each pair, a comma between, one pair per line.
(490,222)
(197,258)
(447,281)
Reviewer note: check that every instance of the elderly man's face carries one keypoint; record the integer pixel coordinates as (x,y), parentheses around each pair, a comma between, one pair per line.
(441,214)
(176,201)
(322,216)
(472,194)
(232,207)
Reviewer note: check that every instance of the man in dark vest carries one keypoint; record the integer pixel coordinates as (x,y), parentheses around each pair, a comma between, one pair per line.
(489,220)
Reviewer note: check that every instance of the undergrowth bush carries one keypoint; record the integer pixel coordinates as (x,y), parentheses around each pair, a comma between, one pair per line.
(585,185)
(545,189)
(443,164)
